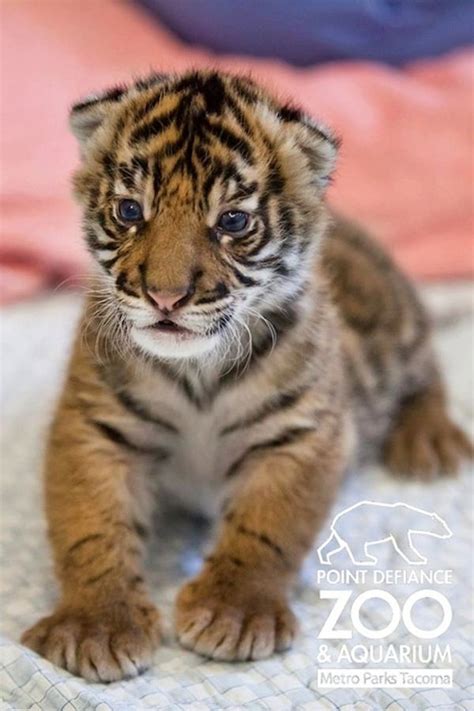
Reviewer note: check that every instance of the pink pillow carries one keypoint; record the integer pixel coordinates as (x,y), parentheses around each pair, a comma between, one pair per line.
(404,171)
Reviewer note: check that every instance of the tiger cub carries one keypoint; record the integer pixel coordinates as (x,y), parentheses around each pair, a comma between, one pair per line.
(239,349)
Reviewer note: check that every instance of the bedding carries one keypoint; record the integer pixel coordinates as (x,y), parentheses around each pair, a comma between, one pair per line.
(405,168)
(35,339)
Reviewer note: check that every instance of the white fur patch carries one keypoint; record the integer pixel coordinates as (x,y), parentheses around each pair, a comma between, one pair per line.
(169,345)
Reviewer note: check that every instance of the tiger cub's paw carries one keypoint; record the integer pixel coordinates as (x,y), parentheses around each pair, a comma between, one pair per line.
(424,441)
(106,644)
(427,447)
(225,623)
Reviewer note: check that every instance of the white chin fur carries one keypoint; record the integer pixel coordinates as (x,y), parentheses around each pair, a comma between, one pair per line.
(169,346)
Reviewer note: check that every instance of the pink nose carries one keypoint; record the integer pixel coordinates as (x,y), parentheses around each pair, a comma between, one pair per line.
(169,300)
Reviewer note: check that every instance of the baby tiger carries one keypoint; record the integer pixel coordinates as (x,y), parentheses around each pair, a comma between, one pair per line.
(241,348)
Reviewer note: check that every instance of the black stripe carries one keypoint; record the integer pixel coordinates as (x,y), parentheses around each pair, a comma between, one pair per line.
(286,221)
(236,561)
(261,537)
(244,89)
(78,544)
(212,559)
(96,578)
(272,407)
(139,410)
(114,94)
(93,198)
(220,291)
(231,141)
(289,113)
(211,299)
(190,393)
(114,435)
(239,115)
(157,177)
(188,390)
(201,154)
(149,105)
(78,564)
(101,220)
(185,162)
(231,173)
(244,191)
(287,437)
(93,241)
(244,242)
(211,179)
(121,285)
(243,278)
(109,263)
(172,147)
(275,183)
(156,125)
(183,383)
(222,322)
(265,238)
(267,263)
(255,263)
(214,93)
(140,163)
(189,162)
(151,79)
(142,268)
(281,269)
(136,580)
(109,165)
(191,81)
(127,176)
(141,531)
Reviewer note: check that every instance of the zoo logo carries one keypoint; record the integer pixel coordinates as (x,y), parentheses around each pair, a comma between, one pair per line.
(416,521)
(403,522)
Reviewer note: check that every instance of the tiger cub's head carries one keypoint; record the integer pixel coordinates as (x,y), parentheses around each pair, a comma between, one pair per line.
(202,200)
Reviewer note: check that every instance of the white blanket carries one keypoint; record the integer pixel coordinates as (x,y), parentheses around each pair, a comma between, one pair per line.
(35,339)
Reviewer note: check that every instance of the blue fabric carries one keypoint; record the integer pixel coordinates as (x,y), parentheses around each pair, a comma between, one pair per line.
(308,31)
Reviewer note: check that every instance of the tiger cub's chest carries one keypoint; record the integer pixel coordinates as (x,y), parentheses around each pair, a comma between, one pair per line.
(195,472)
(204,445)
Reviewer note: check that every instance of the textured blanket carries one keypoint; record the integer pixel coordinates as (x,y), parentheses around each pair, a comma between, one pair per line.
(35,340)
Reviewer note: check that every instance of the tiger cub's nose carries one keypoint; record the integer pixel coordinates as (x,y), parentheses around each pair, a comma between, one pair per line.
(168,301)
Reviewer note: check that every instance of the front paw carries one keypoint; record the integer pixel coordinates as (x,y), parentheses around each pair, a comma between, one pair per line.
(227,623)
(104,644)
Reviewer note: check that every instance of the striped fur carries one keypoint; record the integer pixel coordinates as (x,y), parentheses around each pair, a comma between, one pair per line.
(301,348)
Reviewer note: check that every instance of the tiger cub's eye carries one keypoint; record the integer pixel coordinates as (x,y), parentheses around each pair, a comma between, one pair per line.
(233,222)
(130,210)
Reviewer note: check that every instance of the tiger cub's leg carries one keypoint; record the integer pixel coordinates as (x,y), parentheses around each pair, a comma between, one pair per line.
(104,627)
(237,607)
(424,442)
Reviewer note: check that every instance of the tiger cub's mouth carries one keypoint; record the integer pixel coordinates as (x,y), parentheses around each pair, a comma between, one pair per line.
(168,326)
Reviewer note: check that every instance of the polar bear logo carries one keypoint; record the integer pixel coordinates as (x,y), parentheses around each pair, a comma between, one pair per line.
(350,530)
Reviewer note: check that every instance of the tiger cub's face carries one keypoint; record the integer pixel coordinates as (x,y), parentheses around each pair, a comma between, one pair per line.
(202,202)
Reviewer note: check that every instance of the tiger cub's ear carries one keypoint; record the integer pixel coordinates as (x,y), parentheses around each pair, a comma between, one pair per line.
(87,115)
(315,142)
